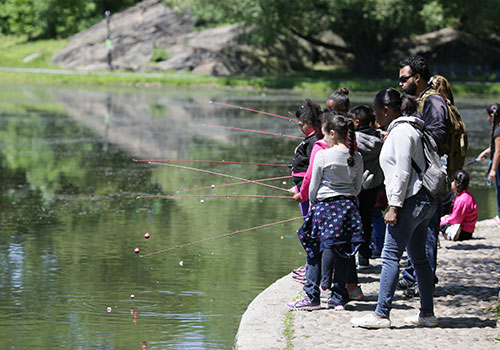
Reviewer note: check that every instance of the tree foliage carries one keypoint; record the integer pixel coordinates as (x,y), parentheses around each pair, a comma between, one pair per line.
(54,18)
(370,29)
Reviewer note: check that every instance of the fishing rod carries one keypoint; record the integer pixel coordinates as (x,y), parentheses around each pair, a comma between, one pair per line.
(254,110)
(251,130)
(234,183)
(219,174)
(213,195)
(221,236)
(472,161)
(205,161)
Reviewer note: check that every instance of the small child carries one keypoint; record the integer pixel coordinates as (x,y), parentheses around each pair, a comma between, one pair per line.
(333,224)
(369,145)
(308,116)
(464,213)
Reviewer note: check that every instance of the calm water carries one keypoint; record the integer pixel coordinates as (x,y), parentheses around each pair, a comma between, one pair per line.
(70,217)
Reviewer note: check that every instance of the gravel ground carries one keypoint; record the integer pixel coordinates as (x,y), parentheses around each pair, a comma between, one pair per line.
(468,289)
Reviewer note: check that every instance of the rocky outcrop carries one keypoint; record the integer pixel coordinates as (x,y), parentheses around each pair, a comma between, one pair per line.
(150,36)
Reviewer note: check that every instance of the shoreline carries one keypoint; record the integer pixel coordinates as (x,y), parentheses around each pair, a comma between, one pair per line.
(464,298)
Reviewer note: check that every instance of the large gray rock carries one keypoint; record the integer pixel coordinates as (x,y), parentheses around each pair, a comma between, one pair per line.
(150,31)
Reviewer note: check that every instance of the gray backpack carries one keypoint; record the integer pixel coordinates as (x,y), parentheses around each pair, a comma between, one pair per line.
(434,178)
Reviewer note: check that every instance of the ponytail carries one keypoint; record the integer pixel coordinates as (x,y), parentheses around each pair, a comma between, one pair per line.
(494,109)
(351,141)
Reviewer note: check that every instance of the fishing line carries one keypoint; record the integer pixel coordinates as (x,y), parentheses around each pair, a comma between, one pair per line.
(254,110)
(219,174)
(205,161)
(213,195)
(234,183)
(251,130)
(221,236)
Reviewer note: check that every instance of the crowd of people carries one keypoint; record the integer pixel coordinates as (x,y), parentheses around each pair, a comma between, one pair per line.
(358,181)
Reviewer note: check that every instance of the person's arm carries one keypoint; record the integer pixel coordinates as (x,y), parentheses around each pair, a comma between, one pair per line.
(484,154)
(304,188)
(496,160)
(358,182)
(457,214)
(317,174)
(435,116)
(402,147)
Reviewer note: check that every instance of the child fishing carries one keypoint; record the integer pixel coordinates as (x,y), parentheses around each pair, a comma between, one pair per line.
(333,224)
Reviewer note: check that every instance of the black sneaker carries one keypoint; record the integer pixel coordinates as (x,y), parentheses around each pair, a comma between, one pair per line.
(411,292)
(404,284)
(363,263)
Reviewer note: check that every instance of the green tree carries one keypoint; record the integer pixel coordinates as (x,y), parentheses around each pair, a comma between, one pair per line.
(54,18)
(370,29)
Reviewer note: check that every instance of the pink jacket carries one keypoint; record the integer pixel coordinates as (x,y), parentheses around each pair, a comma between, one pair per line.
(304,188)
(464,212)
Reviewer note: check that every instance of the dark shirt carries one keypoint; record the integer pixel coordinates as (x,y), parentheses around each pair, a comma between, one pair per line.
(435,116)
(300,161)
(496,133)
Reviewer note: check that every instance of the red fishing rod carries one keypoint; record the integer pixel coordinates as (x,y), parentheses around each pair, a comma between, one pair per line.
(234,183)
(205,161)
(212,196)
(222,236)
(251,130)
(254,110)
(219,174)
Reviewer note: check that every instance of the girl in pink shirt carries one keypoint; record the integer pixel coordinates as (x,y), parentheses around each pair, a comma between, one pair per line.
(464,210)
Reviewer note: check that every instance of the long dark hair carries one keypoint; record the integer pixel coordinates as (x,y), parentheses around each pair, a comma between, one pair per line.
(310,113)
(461,180)
(403,103)
(344,127)
(493,108)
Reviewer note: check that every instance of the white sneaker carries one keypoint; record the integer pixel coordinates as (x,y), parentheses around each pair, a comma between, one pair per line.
(371,321)
(417,320)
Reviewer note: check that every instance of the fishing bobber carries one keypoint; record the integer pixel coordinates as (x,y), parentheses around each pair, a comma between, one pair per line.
(147,235)
(137,250)
(181,263)
(202,201)
(132,296)
(212,187)
(108,309)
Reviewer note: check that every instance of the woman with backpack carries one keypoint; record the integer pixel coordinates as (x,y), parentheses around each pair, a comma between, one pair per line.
(493,112)
(410,208)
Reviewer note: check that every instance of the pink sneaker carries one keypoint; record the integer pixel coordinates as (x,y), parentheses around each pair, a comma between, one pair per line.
(496,220)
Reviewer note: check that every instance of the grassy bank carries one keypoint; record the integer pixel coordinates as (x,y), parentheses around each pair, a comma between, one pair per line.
(16,68)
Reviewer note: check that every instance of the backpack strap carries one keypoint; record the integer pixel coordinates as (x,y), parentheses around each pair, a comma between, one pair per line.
(414,164)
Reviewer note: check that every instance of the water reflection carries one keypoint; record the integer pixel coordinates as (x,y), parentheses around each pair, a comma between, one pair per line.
(70,219)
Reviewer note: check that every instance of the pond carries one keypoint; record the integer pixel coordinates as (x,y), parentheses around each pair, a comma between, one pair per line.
(75,205)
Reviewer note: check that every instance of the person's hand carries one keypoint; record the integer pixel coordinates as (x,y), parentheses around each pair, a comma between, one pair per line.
(482,156)
(293,190)
(492,175)
(383,135)
(391,217)
(296,197)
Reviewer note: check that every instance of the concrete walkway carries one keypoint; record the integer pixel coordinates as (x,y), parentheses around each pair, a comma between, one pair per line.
(468,289)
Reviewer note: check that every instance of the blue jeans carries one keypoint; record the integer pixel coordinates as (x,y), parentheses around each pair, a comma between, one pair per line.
(431,244)
(410,233)
(497,185)
(314,274)
(378,229)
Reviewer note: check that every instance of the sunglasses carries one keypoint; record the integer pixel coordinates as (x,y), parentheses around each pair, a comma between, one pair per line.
(405,78)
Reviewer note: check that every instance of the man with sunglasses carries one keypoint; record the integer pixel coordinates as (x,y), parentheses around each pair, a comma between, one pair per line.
(414,76)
